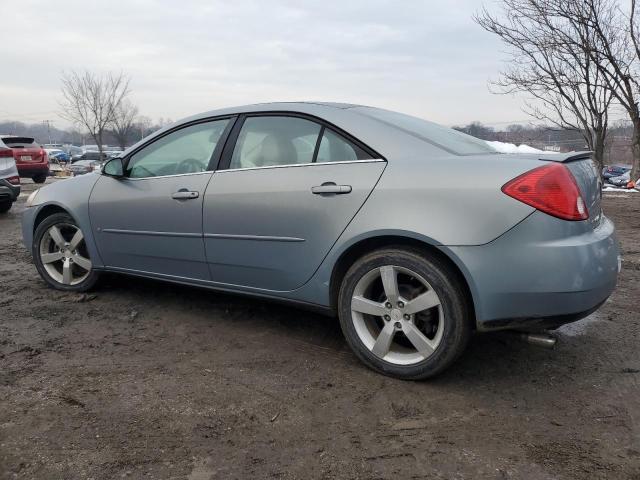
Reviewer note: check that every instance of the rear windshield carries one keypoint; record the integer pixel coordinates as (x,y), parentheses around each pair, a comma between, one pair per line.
(444,138)
(20,142)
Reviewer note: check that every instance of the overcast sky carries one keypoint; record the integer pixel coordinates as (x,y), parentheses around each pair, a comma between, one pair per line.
(426,58)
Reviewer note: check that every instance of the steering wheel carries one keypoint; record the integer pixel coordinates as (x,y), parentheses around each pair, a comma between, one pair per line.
(190,165)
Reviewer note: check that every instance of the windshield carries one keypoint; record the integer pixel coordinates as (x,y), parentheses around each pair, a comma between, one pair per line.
(444,138)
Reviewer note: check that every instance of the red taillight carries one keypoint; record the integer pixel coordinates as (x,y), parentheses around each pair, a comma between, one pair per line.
(14,180)
(551,189)
(6,153)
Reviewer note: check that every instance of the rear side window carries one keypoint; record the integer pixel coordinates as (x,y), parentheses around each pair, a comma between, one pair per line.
(269,141)
(335,148)
(266,141)
(444,138)
(20,142)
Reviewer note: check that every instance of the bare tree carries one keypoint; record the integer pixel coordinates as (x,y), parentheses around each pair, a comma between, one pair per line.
(552,60)
(616,48)
(123,122)
(90,100)
(144,124)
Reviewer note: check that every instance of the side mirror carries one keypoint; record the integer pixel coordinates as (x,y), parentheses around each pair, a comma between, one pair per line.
(113,168)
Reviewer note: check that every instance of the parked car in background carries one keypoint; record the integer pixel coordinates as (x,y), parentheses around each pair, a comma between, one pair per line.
(621,180)
(74,152)
(57,154)
(31,159)
(94,155)
(615,170)
(338,208)
(9,178)
(84,166)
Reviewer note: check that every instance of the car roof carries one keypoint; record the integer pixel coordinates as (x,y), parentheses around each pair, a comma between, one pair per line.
(356,120)
(300,107)
(342,115)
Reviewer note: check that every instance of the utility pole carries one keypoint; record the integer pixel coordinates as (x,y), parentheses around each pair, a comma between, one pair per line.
(48,124)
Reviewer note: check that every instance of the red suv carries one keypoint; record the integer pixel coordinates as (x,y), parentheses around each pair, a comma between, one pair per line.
(31,159)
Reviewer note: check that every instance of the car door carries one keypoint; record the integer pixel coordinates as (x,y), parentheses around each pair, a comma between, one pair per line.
(287,189)
(151,220)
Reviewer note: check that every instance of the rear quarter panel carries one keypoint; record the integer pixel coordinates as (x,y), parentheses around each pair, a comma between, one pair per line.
(452,200)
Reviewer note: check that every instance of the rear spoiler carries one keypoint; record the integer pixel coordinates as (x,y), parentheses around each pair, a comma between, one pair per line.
(566,157)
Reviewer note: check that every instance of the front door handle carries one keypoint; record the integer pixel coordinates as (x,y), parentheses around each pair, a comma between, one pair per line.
(330,187)
(184,194)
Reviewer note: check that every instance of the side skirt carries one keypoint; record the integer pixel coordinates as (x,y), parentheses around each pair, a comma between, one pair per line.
(321,309)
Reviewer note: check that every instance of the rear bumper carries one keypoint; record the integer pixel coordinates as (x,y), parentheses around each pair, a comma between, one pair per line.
(8,191)
(29,169)
(542,273)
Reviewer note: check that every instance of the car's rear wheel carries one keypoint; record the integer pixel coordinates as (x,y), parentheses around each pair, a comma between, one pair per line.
(61,256)
(40,178)
(403,313)
(5,206)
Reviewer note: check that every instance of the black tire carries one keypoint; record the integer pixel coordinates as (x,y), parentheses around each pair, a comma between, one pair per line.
(457,314)
(40,178)
(5,206)
(58,218)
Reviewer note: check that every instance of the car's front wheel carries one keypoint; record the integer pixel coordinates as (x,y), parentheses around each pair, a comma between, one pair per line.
(61,256)
(404,313)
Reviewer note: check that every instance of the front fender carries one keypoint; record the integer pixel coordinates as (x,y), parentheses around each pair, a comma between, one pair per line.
(70,195)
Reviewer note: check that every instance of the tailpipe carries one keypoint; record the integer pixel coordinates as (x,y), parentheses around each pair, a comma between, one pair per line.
(539,339)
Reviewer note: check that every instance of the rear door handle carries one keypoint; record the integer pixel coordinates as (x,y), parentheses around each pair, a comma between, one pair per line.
(330,187)
(184,194)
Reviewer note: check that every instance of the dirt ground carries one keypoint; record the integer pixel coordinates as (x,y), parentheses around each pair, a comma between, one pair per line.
(149,380)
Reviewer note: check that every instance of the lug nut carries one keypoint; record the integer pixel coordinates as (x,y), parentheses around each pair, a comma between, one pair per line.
(388,305)
(407,316)
(398,325)
(387,318)
(400,304)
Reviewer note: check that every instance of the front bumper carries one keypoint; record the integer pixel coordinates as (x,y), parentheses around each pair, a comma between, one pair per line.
(28,219)
(542,273)
(8,191)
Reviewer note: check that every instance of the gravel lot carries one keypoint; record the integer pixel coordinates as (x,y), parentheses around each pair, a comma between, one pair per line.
(151,380)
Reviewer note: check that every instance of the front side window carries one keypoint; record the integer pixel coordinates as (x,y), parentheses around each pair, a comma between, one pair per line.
(269,141)
(187,150)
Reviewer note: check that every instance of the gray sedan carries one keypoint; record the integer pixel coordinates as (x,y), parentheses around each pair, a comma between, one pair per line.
(340,208)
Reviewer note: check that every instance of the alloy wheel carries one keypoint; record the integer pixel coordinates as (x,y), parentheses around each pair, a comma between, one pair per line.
(64,254)
(397,315)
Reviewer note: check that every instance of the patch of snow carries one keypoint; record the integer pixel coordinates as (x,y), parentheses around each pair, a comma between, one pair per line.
(608,189)
(513,148)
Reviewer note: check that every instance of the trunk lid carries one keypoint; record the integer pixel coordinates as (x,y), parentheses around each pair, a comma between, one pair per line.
(581,166)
